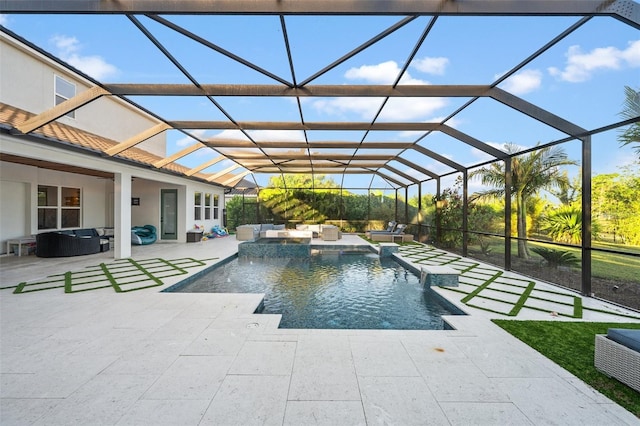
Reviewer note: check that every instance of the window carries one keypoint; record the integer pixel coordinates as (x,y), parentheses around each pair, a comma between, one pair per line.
(58,207)
(215,206)
(64,90)
(207,206)
(197,206)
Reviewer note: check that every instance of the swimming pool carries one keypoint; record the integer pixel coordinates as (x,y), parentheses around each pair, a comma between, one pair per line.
(332,289)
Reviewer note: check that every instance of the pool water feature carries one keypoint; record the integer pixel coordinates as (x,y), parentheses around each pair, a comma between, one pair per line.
(331,289)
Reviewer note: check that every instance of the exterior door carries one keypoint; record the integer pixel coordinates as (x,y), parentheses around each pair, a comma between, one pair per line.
(169,214)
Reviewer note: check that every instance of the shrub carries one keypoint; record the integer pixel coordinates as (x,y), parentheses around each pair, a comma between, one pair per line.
(556,258)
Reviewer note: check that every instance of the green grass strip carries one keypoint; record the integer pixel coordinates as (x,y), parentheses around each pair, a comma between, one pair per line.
(523,299)
(157,281)
(182,271)
(68,284)
(577,307)
(113,272)
(481,287)
(486,309)
(20,288)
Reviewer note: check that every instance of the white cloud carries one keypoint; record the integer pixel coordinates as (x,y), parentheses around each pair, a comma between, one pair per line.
(364,107)
(277,135)
(631,54)
(187,140)
(435,65)
(404,109)
(4,20)
(69,50)
(383,73)
(396,109)
(581,66)
(230,134)
(525,81)
(483,156)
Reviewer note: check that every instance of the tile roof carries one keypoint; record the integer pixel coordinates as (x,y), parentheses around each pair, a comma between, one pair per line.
(68,135)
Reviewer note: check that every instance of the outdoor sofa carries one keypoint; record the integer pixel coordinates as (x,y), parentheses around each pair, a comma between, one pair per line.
(75,242)
(255,230)
(326,232)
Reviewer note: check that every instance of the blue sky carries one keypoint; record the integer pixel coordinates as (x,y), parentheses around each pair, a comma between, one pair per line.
(581,79)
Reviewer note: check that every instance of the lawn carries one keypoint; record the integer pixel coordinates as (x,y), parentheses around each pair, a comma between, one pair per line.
(604,265)
(572,346)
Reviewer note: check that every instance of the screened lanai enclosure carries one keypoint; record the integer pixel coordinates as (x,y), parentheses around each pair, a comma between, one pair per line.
(505,131)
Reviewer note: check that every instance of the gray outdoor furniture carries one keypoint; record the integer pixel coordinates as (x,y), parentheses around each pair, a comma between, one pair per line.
(618,355)
(75,242)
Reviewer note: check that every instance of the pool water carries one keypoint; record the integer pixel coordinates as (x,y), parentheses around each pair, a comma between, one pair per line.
(332,290)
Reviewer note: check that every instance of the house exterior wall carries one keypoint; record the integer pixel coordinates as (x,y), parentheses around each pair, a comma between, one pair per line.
(14,218)
(19,191)
(28,82)
(19,185)
(148,212)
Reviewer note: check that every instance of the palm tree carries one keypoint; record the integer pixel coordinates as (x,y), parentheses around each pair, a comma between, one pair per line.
(530,173)
(564,224)
(631,110)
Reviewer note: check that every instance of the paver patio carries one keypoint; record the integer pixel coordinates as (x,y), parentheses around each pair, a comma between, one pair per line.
(146,357)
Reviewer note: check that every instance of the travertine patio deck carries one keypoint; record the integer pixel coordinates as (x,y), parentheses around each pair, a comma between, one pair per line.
(145,357)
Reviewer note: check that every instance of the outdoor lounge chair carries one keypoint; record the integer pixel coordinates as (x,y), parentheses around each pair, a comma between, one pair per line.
(396,235)
(390,228)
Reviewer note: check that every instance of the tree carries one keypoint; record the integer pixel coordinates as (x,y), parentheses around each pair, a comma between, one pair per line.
(631,109)
(302,197)
(530,173)
(616,203)
(569,191)
(450,217)
(564,224)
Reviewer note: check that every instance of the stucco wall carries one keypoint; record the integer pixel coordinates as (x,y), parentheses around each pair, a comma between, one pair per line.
(27,82)
(14,217)
(18,192)
(148,212)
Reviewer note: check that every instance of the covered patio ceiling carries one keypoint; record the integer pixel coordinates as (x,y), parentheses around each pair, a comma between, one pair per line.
(290,139)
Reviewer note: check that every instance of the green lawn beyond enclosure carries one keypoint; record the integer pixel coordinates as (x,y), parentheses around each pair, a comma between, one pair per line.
(604,265)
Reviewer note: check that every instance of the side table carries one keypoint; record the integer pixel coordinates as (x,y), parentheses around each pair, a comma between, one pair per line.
(19,242)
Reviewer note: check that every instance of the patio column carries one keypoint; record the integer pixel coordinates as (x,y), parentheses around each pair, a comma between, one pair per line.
(122,215)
